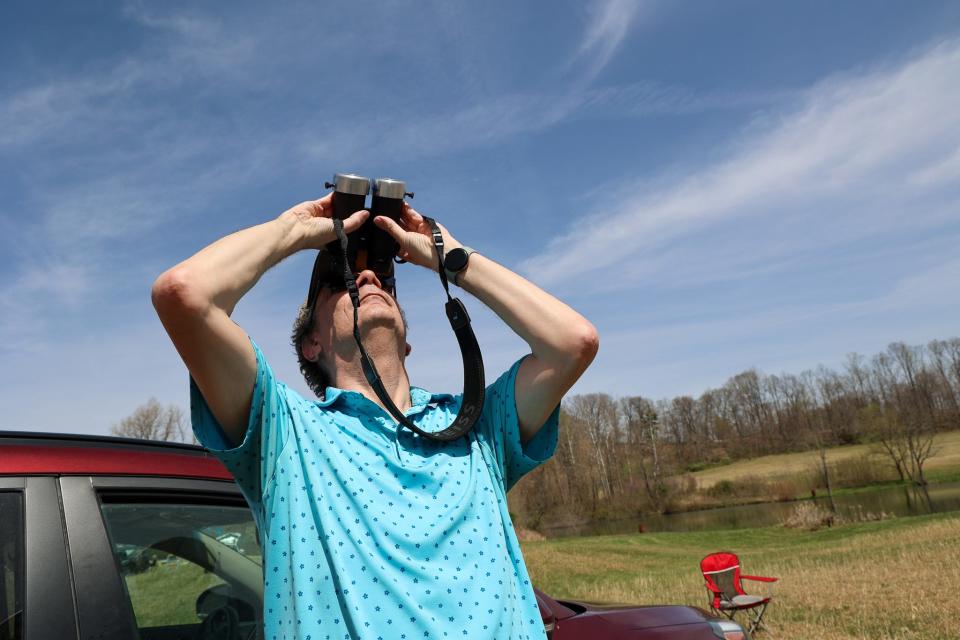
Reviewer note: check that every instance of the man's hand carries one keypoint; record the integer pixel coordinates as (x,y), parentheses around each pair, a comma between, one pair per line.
(416,237)
(314,221)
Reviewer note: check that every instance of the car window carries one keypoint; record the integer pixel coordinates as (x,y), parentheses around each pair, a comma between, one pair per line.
(190,570)
(11,566)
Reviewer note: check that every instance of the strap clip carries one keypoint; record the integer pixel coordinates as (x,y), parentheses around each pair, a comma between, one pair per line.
(457,314)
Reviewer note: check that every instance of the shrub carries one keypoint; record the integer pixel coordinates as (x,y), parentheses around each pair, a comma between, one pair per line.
(783,490)
(860,471)
(809,516)
(859,515)
(752,487)
(722,489)
(852,472)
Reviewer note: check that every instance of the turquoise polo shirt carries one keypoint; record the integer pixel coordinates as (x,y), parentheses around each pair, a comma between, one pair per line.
(370,531)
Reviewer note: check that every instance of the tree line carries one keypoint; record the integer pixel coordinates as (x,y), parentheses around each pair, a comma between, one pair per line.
(632,452)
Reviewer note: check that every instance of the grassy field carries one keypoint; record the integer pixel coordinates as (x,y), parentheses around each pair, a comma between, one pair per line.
(895,579)
(947,459)
(167,594)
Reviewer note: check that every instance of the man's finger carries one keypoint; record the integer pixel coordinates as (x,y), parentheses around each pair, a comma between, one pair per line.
(324,206)
(412,214)
(390,227)
(356,219)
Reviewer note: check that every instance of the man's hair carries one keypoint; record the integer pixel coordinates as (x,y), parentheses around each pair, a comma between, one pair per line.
(315,373)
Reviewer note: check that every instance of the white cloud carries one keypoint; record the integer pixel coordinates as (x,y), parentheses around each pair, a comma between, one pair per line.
(687,355)
(497,118)
(848,150)
(935,173)
(109,159)
(609,23)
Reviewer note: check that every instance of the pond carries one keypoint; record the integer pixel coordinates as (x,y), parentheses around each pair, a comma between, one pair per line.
(899,501)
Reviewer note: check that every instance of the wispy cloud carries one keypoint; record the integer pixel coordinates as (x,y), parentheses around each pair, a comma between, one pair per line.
(104,164)
(847,160)
(498,118)
(117,96)
(608,23)
(694,353)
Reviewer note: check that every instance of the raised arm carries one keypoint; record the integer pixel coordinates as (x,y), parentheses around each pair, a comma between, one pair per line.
(562,342)
(195,299)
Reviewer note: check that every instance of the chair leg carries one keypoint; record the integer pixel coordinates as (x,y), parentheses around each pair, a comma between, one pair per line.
(756,623)
(722,612)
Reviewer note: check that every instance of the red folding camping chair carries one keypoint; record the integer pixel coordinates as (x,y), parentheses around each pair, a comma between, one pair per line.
(722,573)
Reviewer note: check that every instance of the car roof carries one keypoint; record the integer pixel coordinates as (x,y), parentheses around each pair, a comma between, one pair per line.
(32,453)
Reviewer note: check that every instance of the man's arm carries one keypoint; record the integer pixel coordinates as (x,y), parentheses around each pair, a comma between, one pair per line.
(563,343)
(196,298)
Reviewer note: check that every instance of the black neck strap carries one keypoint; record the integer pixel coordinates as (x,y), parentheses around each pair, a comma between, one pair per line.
(473,377)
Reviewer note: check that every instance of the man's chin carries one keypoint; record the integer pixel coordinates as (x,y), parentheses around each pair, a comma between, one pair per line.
(379,319)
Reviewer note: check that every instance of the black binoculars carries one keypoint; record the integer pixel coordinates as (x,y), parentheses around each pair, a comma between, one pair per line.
(369,247)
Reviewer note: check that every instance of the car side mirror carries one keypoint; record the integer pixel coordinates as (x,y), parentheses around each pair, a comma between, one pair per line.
(221,597)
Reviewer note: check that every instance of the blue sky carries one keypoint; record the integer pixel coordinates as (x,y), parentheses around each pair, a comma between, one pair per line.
(716,185)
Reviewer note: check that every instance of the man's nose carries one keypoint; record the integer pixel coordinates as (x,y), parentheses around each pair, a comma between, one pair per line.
(368,277)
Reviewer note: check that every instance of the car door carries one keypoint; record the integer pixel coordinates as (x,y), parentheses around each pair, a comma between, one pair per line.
(163,559)
(36,600)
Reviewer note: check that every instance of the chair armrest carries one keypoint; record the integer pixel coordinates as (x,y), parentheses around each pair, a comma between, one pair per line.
(758,578)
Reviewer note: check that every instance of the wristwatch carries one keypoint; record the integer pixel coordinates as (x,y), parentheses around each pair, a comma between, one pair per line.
(455,262)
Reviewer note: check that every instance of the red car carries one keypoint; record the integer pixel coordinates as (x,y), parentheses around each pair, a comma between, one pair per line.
(117,539)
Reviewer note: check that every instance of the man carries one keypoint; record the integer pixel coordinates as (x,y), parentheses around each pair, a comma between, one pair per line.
(370,530)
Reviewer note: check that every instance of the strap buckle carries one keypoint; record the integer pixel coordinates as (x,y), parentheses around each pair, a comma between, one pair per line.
(457,314)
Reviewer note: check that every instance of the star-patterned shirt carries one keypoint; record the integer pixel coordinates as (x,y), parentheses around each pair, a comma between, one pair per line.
(370,531)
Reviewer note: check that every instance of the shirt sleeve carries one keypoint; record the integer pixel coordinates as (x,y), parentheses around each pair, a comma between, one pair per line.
(499,428)
(251,462)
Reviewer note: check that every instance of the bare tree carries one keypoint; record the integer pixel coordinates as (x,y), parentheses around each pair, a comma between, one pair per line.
(817,423)
(884,429)
(945,358)
(151,421)
(597,412)
(640,421)
(917,408)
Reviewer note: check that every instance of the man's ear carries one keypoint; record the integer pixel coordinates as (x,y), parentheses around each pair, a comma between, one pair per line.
(310,347)
(408,350)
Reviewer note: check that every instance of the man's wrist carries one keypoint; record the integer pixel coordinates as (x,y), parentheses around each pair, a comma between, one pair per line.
(456,263)
(293,236)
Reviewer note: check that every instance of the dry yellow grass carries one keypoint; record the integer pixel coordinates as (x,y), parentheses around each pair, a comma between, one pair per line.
(786,465)
(895,580)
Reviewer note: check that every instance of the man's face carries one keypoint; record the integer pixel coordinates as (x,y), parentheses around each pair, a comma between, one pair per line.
(380,320)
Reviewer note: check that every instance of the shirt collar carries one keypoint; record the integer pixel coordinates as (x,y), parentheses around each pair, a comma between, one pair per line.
(419,398)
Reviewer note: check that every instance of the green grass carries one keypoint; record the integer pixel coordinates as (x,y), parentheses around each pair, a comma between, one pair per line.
(849,581)
(167,593)
(895,579)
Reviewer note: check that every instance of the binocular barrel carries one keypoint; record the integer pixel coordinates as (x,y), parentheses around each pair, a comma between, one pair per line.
(350,194)
(387,201)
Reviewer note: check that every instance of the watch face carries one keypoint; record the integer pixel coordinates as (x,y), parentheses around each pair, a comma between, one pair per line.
(456,260)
